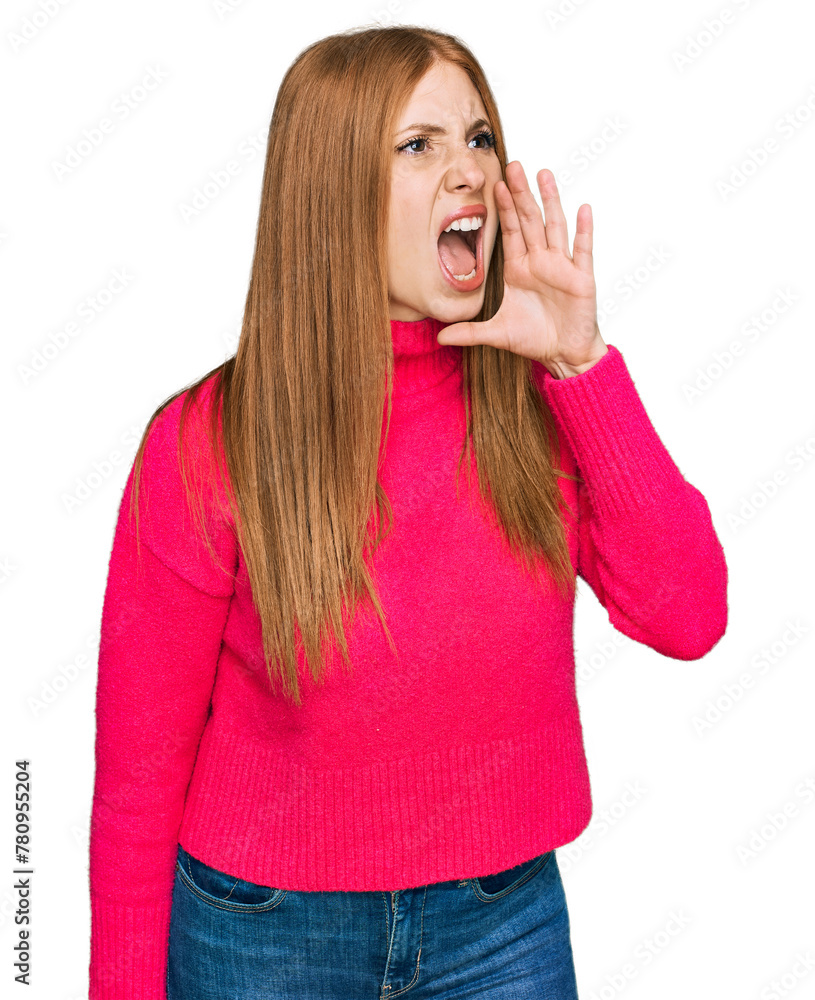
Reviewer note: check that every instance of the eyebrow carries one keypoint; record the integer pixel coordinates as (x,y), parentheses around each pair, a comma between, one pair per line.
(432,129)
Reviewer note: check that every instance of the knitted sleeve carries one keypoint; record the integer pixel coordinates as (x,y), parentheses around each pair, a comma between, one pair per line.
(647,545)
(163,618)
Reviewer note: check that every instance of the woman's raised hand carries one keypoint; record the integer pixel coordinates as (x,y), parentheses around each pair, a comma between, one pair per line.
(549,309)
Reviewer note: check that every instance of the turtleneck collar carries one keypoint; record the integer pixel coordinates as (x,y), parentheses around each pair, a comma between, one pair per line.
(420,362)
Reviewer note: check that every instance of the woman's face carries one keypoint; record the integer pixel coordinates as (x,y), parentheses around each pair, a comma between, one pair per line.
(451,170)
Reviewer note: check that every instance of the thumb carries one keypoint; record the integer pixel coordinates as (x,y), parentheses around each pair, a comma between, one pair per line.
(465,334)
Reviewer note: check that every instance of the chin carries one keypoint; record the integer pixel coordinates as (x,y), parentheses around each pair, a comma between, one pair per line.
(466,308)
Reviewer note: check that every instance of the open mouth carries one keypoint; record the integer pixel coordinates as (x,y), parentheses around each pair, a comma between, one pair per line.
(460,255)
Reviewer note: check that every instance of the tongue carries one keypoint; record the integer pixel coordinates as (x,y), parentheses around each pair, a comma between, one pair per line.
(455,253)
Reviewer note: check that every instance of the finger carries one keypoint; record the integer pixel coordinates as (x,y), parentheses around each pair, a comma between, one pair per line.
(512,239)
(584,239)
(557,234)
(527,211)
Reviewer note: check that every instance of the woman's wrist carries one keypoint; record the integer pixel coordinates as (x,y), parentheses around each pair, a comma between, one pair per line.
(562,370)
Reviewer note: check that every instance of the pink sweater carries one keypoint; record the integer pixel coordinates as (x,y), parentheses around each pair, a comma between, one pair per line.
(463,757)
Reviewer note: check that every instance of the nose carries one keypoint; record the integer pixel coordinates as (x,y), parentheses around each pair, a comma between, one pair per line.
(467,172)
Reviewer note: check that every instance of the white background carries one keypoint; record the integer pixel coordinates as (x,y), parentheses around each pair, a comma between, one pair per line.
(694,93)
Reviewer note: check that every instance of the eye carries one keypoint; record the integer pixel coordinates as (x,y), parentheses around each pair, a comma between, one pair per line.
(411,142)
(486,134)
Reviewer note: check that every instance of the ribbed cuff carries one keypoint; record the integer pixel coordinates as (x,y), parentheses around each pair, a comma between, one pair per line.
(129,946)
(618,452)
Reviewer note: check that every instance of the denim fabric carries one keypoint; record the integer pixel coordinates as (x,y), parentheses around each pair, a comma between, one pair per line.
(495,937)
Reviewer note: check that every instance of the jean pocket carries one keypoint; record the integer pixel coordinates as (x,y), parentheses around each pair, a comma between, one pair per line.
(225,891)
(489,887)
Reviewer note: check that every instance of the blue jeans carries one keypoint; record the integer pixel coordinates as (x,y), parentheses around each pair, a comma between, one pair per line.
(494,937)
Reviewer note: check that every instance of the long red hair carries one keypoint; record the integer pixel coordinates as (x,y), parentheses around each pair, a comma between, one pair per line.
(301,401)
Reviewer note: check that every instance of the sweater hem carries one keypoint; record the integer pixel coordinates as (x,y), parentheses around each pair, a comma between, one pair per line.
(455,812)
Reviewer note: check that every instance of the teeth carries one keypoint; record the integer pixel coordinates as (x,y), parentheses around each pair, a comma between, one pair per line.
(466,225)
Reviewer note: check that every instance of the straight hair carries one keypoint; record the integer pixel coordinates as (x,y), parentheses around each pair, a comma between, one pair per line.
(296,421)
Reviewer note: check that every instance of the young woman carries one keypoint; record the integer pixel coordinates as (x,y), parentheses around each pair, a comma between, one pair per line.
(337,737)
